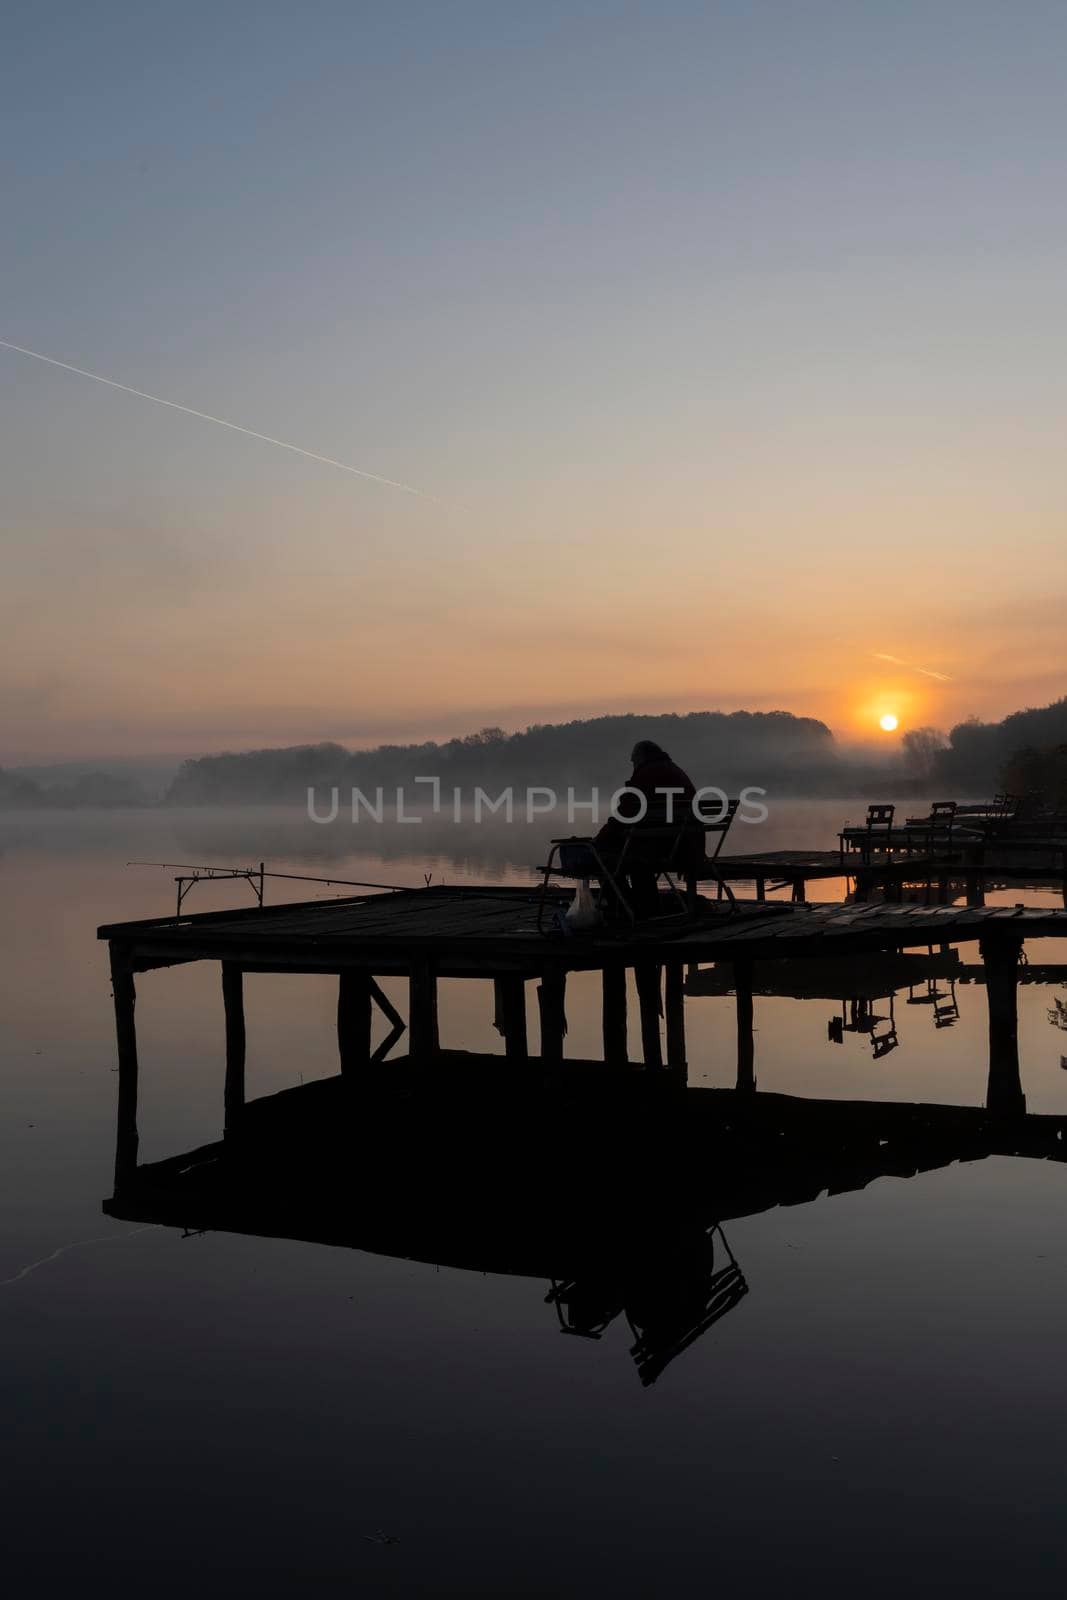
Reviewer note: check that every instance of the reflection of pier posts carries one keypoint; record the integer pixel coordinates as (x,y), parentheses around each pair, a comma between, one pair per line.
(510,1000)
(233,1002)
(650,1000)
(746,1048)
(552,1001)
(422,1010)
(1001,958)
(125,996)
(674,1007)
(614,1014)
(974,857)
(353,1019)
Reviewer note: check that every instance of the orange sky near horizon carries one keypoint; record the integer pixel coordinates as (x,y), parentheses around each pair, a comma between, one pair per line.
(237,673)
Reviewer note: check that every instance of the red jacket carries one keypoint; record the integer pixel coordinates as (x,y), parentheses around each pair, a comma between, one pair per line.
(649,777)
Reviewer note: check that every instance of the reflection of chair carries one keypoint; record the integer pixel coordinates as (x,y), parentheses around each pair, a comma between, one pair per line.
(584,1309)
(861,1017)
(883,1043)
(1058,1013)
(670,1294)
(944,1006)
(682,1309)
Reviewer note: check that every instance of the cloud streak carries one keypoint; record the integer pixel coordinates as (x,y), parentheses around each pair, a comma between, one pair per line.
(221,422)
(927,672)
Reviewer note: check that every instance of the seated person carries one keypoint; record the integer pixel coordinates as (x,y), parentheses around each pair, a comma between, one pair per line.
(668,794)
(654,776)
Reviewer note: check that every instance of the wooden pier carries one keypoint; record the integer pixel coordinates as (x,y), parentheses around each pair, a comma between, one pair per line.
(975,870)
(426,935)
(654,1168)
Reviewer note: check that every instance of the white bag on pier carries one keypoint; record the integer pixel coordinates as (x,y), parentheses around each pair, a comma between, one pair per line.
(582,911)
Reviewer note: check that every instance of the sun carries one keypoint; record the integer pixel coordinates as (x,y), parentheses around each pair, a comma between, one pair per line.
(888,723)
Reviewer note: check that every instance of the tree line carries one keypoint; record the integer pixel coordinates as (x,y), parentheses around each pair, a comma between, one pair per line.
(716,747)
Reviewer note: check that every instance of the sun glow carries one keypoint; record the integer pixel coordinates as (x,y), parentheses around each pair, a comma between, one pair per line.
(888,723)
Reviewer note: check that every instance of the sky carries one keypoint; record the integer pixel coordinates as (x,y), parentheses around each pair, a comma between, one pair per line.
(724,342)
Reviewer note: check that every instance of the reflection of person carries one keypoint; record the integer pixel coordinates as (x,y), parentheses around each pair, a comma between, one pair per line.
(668,794)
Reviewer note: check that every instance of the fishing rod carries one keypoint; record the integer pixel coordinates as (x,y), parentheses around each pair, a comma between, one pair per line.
(191,872)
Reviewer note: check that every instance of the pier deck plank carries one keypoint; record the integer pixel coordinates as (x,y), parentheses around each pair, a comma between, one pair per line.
(482,929)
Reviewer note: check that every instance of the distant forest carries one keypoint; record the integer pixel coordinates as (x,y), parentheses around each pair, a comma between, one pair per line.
(100,790)
(1021,753)
(715,747)
(778,751)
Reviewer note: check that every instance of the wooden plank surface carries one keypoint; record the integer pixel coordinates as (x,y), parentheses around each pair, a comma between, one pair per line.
(478,925)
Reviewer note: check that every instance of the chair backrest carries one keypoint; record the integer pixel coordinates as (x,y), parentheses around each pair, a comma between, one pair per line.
(656,839)
(880,817)
(682,825)
(942,811)
(719,826)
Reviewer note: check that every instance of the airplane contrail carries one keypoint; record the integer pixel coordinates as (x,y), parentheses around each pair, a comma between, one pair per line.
(942,677)
(205,416)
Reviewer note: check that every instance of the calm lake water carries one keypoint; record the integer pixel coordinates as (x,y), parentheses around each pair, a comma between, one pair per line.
(885,1406)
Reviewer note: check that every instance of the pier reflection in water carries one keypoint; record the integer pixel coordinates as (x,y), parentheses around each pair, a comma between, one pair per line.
(612,1184)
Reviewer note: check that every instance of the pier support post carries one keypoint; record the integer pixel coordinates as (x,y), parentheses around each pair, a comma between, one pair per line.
(746,1047)
(422,1011)
(614,1015)
(125,997)
(674,1006)
(510,1000)
(974,859)
(353,1018)
(650,1001)
(552,1002)
(234,1006)
(1001,957)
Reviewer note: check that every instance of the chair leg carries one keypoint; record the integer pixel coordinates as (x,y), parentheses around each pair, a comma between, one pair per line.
(613,879)
(553,852)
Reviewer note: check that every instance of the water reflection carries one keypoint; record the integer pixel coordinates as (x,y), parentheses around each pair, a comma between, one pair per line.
(611,1187)
(669,1301)
(928,981)
(850,1389)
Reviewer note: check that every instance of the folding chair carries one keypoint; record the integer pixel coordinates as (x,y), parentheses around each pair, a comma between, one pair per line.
(652,844)
(720,827)
(878,830)
(941,821)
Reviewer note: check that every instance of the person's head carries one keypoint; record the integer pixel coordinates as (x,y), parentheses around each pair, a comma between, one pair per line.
(647,750)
